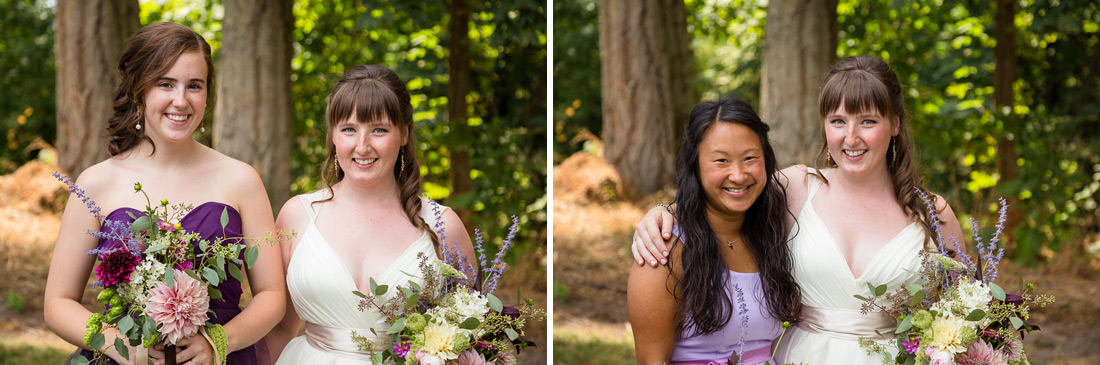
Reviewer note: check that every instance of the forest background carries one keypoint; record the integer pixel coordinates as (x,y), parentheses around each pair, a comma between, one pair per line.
(476,71)
(1004,100)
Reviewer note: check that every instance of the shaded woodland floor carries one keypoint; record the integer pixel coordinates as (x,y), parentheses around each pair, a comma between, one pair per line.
(593,227)
(31,202)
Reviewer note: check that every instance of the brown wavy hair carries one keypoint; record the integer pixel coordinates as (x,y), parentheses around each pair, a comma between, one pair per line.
(864,84)
(150,53)
(374,92)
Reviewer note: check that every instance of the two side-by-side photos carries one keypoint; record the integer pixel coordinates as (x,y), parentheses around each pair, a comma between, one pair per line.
(550,182)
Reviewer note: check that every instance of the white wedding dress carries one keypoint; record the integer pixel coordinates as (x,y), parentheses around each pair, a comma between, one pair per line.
(320,288)
(831,324)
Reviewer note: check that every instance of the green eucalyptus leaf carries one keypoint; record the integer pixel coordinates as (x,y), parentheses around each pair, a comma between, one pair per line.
(397,327)
(219,261)
(905,325)
(125,324)
(512,335)
(235,272)
(412,301)
(998,292)
(469,324)
(98,340)
(142,223)
(917,298)
(860,297)
(357,293)
(79,360)
(872,289)
(155,249)
(975,315)
(211,276)
(170,278)
(914,288)
(121,348)
(495,303)
(880,290)
(215,293)
(251,254)
(225,217)
(1016,322)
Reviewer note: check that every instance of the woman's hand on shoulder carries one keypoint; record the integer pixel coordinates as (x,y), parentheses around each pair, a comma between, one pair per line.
(651,237)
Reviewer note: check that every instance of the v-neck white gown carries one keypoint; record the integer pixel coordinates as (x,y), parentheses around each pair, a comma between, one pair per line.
(320,288)
(831,323)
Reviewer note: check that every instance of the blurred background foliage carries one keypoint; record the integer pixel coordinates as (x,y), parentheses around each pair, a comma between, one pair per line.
(505,130)
(943,52)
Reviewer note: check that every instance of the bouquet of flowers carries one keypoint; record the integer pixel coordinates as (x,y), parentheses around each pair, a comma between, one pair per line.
(955,314)
(454,317)
(159,279)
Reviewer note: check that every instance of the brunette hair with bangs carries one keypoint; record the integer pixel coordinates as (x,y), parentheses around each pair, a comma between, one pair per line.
(868,84)
(374,92)
(150,53)
(706,306)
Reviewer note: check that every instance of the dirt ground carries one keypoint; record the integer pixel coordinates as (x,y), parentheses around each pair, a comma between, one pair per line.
(31,202)
(593,228)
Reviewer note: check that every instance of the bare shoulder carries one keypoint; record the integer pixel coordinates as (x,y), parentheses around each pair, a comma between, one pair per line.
(103,175)
(241,176)
(292,215)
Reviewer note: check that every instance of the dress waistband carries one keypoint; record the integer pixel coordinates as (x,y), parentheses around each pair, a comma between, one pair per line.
(753,357)
(337,341)
(845,324)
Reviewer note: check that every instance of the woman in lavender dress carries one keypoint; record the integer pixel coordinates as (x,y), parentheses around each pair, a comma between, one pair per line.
(164,92)
(728,284)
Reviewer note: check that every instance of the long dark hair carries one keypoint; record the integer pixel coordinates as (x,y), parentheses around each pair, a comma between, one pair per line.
(374,92)
(866,83)
(705,305)
(150,53)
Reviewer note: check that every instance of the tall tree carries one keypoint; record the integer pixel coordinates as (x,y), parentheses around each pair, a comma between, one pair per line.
(90,37)
(458,85)
(254,117)
(800,39)
(1004,97)
(646,82)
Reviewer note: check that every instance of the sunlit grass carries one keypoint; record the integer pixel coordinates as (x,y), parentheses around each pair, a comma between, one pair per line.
(19,353)
(572,347)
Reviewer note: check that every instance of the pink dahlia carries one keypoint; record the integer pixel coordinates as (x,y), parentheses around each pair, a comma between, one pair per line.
(115,267)
(180,310)
(470,357)
(981,353)
(1013,349)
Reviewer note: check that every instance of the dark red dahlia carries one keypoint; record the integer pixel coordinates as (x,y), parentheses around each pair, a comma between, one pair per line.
(115,267)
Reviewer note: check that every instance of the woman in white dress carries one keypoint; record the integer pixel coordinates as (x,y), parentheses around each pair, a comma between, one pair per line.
(859,220)
(370,222)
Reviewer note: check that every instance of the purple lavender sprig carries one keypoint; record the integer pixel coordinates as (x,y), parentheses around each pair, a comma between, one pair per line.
(92,207)
(990,253)
(454,257)
(498,266)
(118,232)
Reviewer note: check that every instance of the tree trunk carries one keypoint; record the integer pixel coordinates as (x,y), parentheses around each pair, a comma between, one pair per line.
(458,85)
(800,40)
(646,81)
(89,42)
(1004,75)
(253,119)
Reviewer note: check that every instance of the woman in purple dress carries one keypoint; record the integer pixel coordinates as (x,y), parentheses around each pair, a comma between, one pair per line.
(728,283)
(164,93)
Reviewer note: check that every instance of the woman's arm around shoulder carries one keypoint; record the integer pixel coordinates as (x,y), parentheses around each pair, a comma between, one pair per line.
(292,218)
(653,310)
(266,276)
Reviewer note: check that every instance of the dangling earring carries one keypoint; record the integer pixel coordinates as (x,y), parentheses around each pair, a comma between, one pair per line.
(335,164)
(202,127)
(894,147)
(400,155)
(137,125)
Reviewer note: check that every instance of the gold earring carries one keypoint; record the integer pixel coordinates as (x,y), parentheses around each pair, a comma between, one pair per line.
(335,164)
(399,156)
(894,146)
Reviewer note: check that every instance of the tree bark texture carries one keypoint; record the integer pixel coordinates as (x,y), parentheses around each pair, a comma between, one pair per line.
(90,37)
(254,116)
(800,40)
(458,85)
(646,66)
(1004,75)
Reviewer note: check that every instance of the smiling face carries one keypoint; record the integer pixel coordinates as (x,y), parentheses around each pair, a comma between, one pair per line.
(175,103)
(731,168)
(367,152)
(859,142)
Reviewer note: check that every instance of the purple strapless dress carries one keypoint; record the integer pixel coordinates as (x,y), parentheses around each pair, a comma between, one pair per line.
(205,220)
